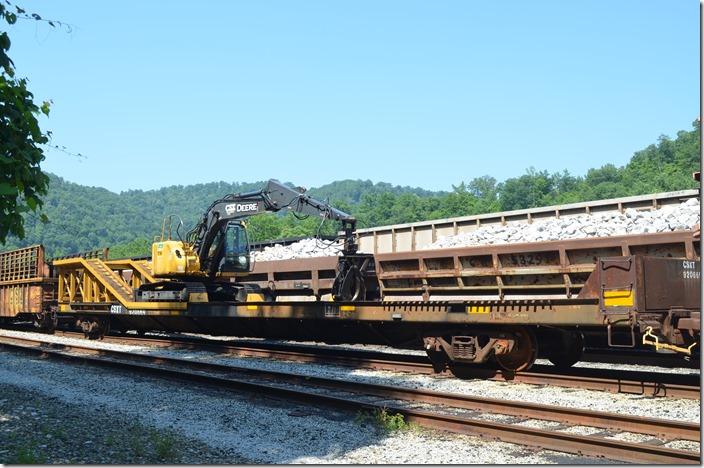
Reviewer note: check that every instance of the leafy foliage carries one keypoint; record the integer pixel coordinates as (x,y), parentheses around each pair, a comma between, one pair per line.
(22,183)
(663,167)
(385,422)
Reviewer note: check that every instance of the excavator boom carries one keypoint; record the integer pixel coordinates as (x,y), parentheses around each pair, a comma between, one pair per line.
(219,244)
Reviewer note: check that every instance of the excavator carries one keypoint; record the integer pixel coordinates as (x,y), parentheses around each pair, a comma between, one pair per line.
(201,267)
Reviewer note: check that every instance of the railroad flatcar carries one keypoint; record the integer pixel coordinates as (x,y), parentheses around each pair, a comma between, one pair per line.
(506,303)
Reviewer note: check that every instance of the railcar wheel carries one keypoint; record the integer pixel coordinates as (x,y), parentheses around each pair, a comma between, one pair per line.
(94,328)
(46,321)
(573,344)
(523,355)
(439,359)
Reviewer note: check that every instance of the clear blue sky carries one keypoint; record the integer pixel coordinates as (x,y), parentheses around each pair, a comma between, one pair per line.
(426,93)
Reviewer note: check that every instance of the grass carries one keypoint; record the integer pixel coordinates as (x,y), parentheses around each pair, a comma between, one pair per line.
(162,444)
(142,442)
(165,444)
(383,421)
(29,455)
(135,440)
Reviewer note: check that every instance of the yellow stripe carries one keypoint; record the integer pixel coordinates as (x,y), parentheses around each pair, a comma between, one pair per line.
(618,298)
(478,309)
(347,308)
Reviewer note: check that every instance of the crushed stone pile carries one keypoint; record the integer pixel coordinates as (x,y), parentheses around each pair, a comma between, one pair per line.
(668,218)
(306,248)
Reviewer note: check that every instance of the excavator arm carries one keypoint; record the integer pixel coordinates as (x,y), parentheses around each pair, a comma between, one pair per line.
(201,253)
(272,198)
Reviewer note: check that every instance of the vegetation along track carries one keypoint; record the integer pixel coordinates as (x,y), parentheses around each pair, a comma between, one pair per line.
(443,411)
(663,384)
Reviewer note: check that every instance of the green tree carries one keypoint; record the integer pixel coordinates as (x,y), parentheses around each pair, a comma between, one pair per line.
(602,183)
(375,209)
(22,182)
(531,190)
(667,165)
(487,192)
(264,226)
(137,248)
(460,202)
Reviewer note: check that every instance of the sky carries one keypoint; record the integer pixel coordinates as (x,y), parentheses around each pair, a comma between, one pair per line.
(427,94)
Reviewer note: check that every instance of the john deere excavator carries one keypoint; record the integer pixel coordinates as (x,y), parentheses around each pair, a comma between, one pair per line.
(202,266)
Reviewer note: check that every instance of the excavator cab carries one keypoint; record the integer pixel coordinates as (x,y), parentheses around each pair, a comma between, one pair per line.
(236,257)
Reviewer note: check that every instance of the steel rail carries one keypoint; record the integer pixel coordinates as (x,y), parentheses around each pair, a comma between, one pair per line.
(613,382)
(624,382)
(613,385)
(661,428)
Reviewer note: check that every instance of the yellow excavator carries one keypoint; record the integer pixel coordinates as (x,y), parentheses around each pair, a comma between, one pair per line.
(201,266)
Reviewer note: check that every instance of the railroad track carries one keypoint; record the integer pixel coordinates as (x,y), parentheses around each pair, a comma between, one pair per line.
(442,411)
(640,357)
(663,384)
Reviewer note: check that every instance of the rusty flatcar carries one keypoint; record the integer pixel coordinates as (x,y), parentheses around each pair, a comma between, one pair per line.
(509,303)
(27,288)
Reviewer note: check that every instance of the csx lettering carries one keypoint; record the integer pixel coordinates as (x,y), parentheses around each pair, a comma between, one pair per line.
(690,265)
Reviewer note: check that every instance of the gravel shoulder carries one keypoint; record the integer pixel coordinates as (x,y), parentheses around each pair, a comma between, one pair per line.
(59,413)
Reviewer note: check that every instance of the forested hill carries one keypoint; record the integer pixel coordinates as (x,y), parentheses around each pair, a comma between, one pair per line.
(86,218)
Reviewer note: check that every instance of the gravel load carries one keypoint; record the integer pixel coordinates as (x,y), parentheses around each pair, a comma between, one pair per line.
(57,412)
(668,218)
(306,248)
